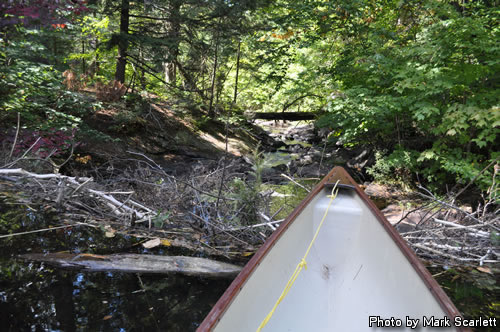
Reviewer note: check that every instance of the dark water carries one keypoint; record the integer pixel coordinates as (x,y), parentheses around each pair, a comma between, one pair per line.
(476,294)
(39,297)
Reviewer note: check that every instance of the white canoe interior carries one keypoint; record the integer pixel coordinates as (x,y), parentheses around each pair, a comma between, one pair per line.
(354,270)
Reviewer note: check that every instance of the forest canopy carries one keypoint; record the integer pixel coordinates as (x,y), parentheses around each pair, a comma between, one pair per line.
(416,81)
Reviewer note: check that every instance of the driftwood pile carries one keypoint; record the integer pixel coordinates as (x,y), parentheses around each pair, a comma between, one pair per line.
(216,210)
(449,235)
(69,193)
(210,209)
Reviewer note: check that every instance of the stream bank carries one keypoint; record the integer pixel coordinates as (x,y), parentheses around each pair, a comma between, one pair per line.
(203,201)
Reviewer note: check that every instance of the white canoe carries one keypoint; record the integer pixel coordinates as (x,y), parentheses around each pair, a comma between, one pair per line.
(359,271)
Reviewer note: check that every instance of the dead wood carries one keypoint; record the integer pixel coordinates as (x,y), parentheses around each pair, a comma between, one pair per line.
(135,263)
(287,116)
(62,190)
(450,235)
(143,200)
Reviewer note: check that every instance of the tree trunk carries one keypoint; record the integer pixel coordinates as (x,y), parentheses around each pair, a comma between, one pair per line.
(237,72)
(123,43)
(136,263)
(170,72)
(173,28)
(95,65)
(84,64)
(211,112)
(62,294)
(142,78)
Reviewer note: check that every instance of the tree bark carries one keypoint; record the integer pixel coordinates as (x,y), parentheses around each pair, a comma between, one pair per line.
(237,72)
(211,112)
(84,64)
(172,34)
(94,67)
(123,43)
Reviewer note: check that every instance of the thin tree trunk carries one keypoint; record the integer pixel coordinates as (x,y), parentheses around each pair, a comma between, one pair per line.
(211,112)
(54,48)
(95,66)
(170,72)
(237,72)
(172,34)
(285,116)
(84,64)
(143,74)
(123,43)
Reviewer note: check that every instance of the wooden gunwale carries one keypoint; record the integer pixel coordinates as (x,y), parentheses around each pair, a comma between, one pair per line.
(340,174)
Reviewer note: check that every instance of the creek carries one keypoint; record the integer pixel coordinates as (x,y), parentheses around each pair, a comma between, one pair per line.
(37,297)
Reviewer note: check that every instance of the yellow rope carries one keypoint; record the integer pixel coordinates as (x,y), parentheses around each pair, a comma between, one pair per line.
(302,264)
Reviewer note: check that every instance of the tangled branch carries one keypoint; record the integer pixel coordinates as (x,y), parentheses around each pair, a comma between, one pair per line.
(453,236)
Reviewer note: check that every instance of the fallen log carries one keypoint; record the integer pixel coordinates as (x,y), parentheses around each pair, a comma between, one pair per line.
(136,263)
(288,116)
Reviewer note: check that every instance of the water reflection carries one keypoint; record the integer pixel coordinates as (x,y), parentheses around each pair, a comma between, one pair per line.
(71,301)
(38,297)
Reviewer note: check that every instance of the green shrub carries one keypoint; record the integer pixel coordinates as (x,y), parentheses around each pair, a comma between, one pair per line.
(428,96)
(35,90)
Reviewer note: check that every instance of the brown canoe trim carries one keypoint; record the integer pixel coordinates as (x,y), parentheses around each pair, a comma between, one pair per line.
(436,290)
(233,289)
(337,173)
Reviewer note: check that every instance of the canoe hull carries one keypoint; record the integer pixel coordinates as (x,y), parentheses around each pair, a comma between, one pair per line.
(358,268)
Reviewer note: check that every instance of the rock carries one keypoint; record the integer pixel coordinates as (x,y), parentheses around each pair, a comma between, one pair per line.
(394,213)
(306,160)
(362,159)
(379,194)
(309,171)
(338,161)
(315,153)
(323,132)
(377,190)
(404,227)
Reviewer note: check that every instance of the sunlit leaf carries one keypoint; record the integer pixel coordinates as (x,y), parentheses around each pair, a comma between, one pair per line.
(484,269)
(166,243)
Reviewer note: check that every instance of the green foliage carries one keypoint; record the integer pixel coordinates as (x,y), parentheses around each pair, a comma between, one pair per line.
(248,194)
(395,167)
(34,89)
(426,91)
(160,219)
(247,199)
(417,79)
(10,221)
(91,35)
